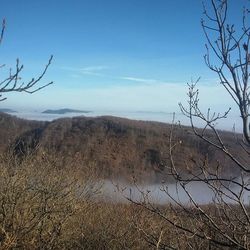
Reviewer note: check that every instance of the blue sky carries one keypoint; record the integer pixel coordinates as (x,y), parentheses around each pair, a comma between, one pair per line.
(110,54)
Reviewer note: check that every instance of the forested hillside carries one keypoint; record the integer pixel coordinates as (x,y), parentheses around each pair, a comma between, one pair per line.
(110,146)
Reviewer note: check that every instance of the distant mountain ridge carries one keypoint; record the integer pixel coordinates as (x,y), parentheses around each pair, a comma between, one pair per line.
(64,111)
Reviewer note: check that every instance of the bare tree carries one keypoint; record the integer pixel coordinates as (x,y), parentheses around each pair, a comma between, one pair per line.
(13,82)
(224,223)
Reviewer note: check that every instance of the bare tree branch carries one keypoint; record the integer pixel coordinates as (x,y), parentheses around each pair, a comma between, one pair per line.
(14,83)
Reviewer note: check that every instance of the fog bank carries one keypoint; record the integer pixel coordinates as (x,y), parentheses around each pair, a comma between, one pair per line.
(200,192)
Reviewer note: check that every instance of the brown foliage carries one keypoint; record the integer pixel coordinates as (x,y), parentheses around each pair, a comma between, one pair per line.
(112,147)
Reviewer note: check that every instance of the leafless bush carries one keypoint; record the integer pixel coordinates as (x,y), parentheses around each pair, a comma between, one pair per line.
(38,204)
(43,206)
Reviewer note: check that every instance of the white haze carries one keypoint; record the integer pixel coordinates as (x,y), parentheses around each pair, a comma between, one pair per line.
(161,193)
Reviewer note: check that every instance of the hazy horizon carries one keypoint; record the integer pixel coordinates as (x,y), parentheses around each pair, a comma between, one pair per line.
(232,123)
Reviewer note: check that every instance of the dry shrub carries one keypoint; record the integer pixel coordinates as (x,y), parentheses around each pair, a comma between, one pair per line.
(46,207)
(38,203)
(43,206)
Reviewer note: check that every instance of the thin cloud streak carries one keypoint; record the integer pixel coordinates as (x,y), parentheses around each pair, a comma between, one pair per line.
(87,68)
(94,68)
(142,80)
(98,72)
(95,71)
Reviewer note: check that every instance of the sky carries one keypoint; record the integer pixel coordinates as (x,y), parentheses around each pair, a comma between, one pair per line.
(110,54)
